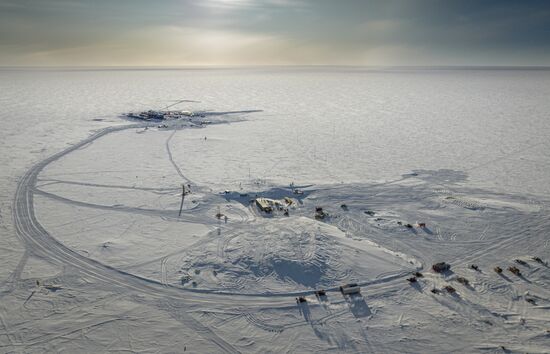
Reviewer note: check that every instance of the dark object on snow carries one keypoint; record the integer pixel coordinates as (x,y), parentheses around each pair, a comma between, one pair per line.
(319,213)
(538,260)
(286,212)
(441,267)
(531,300)
(450,289)
(344,207)
(463,281)
(349,289)
(320,293)
(421,224)
(436,291)
(369,212)
(53,287)
(409,226)
(418,274)
(474,267)
(412,280)
(399,223)
(519,261)
(514,270)
(498,270)
(301,299)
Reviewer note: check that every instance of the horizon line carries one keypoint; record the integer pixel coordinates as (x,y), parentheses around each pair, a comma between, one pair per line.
(263,66)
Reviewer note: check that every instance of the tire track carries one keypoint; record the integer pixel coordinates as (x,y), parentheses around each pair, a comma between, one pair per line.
(171,158)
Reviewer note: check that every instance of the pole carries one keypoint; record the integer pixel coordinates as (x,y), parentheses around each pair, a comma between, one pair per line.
(219,220)
(182,198)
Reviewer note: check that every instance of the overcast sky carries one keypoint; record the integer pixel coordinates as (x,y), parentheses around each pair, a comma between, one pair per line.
(274,32)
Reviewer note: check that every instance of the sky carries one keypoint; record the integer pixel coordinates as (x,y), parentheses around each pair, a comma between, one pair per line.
(274,32)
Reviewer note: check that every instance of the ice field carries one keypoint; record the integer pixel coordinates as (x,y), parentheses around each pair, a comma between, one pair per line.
(96,258)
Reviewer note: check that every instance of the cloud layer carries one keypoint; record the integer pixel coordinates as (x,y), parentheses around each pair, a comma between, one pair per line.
(274,32)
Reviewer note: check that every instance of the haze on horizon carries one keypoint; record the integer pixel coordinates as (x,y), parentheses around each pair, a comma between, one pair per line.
(274,32)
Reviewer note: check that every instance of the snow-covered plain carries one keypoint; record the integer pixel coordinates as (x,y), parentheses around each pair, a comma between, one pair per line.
(95,257)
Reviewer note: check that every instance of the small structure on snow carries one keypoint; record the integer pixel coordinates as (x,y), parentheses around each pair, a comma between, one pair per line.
(463,281)
(441,267)
(320,293)
(450,289)
(498,269)
(522,262)
(319,213)
(349,289)
(264,204)
(514,270)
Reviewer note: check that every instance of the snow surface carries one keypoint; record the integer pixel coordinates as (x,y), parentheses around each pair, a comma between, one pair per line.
(95,257)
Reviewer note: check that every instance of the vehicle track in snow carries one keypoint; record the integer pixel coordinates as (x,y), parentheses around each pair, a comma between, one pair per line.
(113,186)
(171,158)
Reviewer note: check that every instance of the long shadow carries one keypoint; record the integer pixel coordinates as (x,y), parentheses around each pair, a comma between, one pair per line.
(446,273)
(304,310)
(358,305)
(416,286)
(221,113)
(428,231)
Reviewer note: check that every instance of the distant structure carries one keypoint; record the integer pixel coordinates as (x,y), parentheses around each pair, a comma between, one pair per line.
(160,115)
(163,114)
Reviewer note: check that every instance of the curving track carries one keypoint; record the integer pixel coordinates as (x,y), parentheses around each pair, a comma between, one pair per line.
(40,243)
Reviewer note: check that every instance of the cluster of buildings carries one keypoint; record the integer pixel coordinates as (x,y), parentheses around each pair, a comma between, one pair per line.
(160,115)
